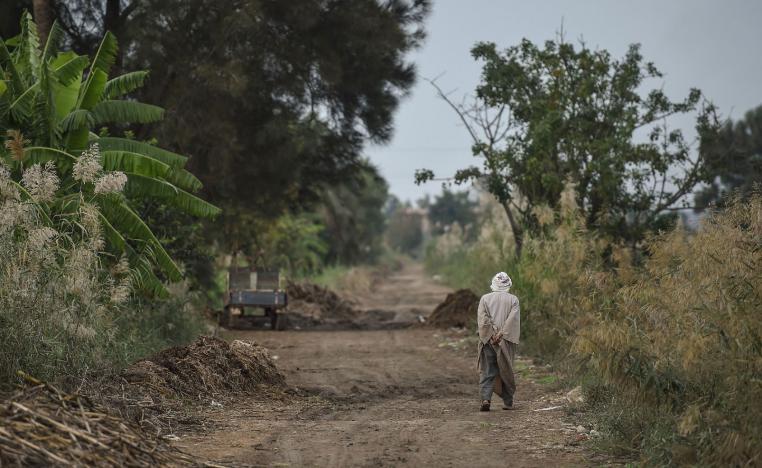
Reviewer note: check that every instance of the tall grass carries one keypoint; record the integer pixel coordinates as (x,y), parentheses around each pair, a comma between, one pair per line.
(65,305)
(684,334)
(670,353)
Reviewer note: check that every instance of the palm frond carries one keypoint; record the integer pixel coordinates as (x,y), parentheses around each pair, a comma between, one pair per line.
(169,158)
(141,265)
(28,58)
(77,119)
(55,36)
(106,55)
(183,179)
(129,223)
(67,71)
(21,107)
(93,90)
(194,205)
(141,186)
(136,163)
(6,63)
(44,119)
(143,277)
(68,67)
(126,112)
(3,88)
(113,237)
(43,154)
(89,97)
(124,84)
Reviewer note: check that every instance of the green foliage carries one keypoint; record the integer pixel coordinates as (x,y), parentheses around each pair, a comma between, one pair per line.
(292,243)
(279,100)
(734,160)
(452,208)
(547,114)
(184,238)
(352,213)
(275,108)
(50,109)
(404,230)
(148,325)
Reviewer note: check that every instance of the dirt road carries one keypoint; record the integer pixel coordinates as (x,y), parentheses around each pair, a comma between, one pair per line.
(398,397)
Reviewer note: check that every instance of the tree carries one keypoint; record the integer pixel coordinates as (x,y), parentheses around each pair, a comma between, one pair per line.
(404,231)
(733,159)
(353,215)
(452,208)
(51,111)
(545,115)
(277,98)
(43,16)
(293,242)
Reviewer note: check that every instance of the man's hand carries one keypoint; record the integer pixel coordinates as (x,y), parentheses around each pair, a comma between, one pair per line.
(496,338)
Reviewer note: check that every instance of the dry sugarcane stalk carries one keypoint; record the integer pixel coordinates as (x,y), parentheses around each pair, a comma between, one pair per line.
(42,425)
(39,449)
(60,426)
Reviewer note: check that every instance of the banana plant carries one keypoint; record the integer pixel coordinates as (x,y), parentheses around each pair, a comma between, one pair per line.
(58,101)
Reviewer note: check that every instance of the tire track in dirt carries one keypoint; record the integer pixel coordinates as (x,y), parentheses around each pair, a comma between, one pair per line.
(387,398)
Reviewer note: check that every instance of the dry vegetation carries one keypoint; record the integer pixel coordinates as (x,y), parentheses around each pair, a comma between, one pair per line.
(43,426)
(670,353)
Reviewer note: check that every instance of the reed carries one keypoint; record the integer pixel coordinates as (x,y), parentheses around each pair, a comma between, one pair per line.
(669,353)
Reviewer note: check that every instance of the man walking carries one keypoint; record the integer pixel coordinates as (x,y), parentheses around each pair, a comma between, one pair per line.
(499,327)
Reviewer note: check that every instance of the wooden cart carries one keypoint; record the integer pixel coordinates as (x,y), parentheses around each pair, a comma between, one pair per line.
(252,295)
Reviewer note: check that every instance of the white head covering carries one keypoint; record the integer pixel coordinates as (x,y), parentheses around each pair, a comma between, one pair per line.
(501,282)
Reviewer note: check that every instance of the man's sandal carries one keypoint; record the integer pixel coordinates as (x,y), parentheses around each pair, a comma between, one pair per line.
(485,405)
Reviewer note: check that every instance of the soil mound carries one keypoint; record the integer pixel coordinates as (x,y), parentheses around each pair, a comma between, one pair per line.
(457,310)
(42,426)
(205,368)
(164,393)
(313,306)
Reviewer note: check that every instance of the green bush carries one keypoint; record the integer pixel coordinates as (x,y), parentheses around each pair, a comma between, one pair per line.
(149,325)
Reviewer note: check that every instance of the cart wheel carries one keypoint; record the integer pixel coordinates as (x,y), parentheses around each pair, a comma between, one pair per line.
(273,314)
(225,318)
(228,319)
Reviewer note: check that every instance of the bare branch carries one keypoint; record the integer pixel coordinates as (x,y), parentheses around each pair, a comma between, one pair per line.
(456,108)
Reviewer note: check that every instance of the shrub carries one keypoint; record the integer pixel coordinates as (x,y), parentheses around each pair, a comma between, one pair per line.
(685,334)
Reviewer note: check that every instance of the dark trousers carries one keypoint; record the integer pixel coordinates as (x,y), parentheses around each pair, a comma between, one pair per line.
(489,371)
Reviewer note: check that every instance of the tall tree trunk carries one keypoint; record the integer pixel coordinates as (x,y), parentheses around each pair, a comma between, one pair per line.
(518,231)
(113,22)
(43,16)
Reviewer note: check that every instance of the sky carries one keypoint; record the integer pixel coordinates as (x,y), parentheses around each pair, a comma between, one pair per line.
(710,45)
